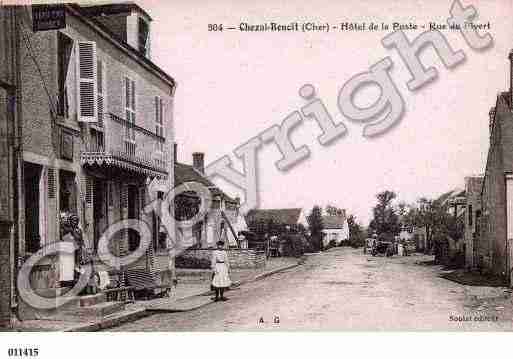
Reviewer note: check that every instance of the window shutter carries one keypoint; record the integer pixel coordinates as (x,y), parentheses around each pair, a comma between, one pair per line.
(51,183)
(161,112)
(124,196)
(133,95)
(87,82)
(89,190)
(101,91)
(157,108)
(111,193)
(127,93)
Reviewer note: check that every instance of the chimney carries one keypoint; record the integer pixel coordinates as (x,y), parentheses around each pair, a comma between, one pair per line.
(198,162)
(491,120)
(175,152)
(510,97)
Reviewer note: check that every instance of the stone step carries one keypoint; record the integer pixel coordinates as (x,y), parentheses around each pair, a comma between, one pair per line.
(91,312)
(99,310)
(93,299)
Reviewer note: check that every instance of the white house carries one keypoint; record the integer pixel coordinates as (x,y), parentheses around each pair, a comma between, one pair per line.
(335,229)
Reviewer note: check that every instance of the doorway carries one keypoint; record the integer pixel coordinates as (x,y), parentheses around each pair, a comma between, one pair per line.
(68,192)
(133,213)
(99,209)
(32,177)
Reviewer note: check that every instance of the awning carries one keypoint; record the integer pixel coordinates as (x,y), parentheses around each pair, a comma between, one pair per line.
(124,162)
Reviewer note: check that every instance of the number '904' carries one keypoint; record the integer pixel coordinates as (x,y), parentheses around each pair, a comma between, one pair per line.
(215,27)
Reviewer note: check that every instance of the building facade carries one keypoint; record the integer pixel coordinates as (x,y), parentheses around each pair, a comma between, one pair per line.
(494,246)
(473,186)
(219,222)
(8,145)
(96,129)
(291,217)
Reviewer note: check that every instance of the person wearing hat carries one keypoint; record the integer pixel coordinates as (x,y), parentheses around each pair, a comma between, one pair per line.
(221,267)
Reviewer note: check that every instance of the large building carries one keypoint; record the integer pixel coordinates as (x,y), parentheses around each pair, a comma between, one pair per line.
(493,247)
(8,144)
(96,128)
(291,217)
(220,221)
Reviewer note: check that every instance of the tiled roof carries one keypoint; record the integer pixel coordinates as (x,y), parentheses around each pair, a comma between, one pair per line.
(333,222)
(112,9)
(457,192)
(186,173)
(288,216)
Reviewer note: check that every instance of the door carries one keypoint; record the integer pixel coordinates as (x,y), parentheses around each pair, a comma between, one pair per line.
(99,209)
(32,175)
(133,213)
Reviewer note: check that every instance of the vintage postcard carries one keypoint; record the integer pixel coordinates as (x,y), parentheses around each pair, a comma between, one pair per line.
(199,166)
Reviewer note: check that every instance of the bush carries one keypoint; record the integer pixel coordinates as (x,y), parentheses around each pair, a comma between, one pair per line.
(356,242)
(192,263)
(294,245)
(332,243)
(386,237)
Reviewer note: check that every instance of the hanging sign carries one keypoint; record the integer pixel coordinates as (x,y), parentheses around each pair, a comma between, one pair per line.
(48,17)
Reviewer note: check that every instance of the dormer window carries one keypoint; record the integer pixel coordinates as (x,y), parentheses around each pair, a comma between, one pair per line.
(144,37)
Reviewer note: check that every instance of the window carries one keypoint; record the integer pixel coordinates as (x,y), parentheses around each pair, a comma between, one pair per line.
(144,37)
(130,116)
(65,49)
(159,130)
(102,89)
(159,122)
(470,215)
(87,79)
(97,143)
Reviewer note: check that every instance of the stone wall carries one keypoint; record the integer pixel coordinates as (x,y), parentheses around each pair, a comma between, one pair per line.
(491,246)
(239,258)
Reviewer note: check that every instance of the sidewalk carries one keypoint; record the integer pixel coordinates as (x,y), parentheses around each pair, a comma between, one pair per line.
(192,292)
(193,289)
(197,281)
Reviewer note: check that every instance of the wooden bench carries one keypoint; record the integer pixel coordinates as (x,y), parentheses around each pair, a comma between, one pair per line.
(117,289)
(120,294)
(142,280)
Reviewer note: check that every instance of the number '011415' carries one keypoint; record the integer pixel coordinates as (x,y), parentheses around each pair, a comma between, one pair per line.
(23,352)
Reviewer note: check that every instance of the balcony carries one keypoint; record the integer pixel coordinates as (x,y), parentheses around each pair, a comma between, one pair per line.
(115,142)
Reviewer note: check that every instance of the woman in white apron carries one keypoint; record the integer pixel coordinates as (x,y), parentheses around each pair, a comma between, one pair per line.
(70,232)
(221,267)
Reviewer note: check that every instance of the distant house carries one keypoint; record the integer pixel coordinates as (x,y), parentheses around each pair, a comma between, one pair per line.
(448,248)
(421,240)
(220,222)
(451,248)
(293,217)
(335,229)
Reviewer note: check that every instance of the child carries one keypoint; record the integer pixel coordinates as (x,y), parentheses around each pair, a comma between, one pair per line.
(220,267)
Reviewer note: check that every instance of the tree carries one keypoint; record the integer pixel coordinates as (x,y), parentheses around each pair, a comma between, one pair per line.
(316,226)
(356,235)
(439,223)
(385,218)
(333,210)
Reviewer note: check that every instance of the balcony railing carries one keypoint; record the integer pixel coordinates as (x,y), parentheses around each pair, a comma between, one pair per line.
(123,144)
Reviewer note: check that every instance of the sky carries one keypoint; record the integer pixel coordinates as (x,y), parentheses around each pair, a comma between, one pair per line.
(232,85)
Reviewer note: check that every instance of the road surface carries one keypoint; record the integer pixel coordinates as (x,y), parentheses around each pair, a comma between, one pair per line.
(343,289)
